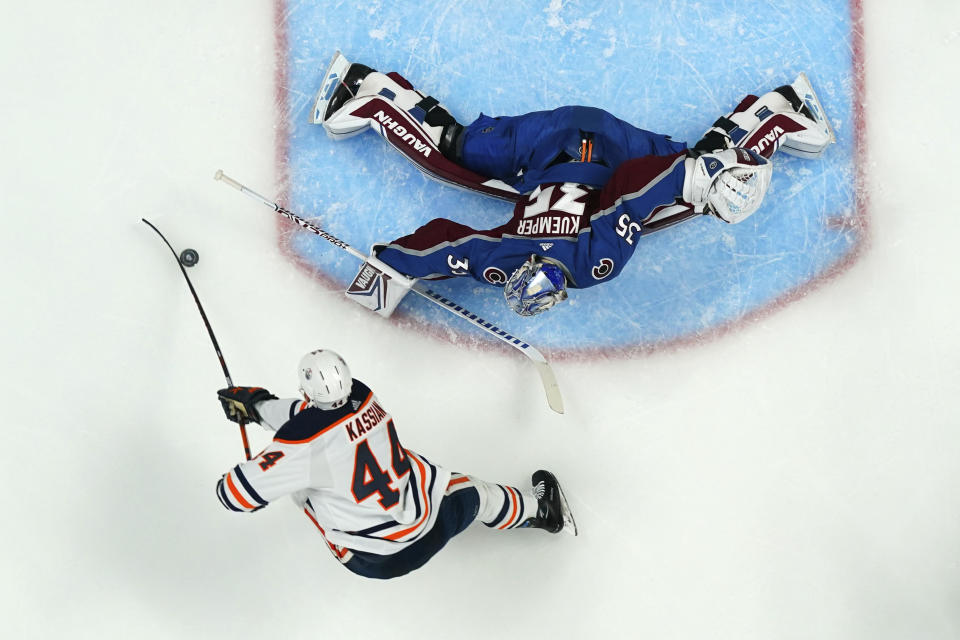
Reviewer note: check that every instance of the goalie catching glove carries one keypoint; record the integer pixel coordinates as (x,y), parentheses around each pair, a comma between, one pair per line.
(730,184)
(239,403)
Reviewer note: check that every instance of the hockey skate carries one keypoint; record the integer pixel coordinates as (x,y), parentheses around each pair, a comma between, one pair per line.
(813,142)
(553,512)
(340,84)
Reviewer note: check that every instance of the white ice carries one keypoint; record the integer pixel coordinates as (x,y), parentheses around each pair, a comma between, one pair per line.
(796,478)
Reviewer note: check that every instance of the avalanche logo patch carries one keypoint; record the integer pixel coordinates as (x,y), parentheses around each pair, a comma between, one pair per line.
(698,278)
(603,269)
(494,275)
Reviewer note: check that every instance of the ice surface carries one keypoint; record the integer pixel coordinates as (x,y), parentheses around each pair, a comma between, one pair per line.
(795,477)
(681,284)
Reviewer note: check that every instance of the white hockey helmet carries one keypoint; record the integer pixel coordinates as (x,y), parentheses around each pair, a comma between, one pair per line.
(325,379)
(730,184)
(535,286)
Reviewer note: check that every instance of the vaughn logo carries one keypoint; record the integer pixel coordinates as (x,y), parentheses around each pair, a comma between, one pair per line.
(388,123)
(770,138)
(362,282)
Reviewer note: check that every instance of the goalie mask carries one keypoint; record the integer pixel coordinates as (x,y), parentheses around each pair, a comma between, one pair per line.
(730,184)
(325,379)
(535,287)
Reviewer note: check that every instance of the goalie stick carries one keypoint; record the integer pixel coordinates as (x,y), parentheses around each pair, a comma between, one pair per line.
(213,338)
(547,377)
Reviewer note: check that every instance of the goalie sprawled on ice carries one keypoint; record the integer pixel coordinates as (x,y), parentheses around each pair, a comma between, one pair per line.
(586,184)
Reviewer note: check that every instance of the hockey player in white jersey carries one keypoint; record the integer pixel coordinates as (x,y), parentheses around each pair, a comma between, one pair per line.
(383,510)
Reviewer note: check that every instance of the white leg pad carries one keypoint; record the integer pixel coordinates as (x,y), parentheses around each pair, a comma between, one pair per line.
(342,124)
(771,123)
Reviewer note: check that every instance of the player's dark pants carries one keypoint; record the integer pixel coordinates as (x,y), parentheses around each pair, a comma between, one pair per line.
(457,511)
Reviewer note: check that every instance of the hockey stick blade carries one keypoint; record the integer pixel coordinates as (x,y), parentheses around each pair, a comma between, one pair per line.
(547,377)
(549,380)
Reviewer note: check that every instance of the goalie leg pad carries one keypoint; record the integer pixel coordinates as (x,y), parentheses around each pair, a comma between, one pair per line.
(395,89)
(790,117)
(400,116)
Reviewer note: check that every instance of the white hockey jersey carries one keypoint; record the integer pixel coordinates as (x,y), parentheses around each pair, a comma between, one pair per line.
(347,469)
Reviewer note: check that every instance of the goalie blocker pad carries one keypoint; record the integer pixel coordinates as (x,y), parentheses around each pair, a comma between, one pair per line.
(378,287)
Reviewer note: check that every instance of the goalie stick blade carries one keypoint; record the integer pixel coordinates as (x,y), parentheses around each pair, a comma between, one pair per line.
(548,380)
(547,377)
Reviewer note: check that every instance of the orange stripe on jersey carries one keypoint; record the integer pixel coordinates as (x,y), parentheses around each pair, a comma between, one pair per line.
(312,519)
(337,550)
(349,416)
(513,508)
(303,405)
(236,494)
(456,481)
(424,500)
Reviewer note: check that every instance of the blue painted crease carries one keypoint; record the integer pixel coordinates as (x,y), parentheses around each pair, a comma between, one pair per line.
(672,71)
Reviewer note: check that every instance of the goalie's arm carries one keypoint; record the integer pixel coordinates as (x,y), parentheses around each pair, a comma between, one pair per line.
(439,249)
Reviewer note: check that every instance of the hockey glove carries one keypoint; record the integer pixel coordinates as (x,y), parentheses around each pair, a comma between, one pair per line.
(239,402)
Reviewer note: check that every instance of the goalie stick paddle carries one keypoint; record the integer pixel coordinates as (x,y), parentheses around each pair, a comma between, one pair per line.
(213,338)
(547,377)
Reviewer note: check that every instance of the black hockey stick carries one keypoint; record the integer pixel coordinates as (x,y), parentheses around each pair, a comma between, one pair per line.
(547,377)
(213,338)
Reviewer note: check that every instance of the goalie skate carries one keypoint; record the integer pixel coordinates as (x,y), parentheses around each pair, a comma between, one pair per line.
(335,73)
(811,143)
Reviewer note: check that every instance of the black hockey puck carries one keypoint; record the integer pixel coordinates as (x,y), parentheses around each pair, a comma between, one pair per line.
(189,257)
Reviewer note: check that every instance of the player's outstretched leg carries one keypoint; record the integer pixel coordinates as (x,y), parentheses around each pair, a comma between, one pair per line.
(544,506)
(790,116)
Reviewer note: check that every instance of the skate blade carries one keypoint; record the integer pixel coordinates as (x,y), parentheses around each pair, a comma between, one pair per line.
(569,524)
(335,71)
(805,90)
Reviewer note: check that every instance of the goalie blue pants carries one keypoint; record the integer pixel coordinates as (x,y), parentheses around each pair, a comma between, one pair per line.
(536,148)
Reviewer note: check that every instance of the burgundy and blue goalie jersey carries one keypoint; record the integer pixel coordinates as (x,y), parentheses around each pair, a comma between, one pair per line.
(591,233)
(346,469)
